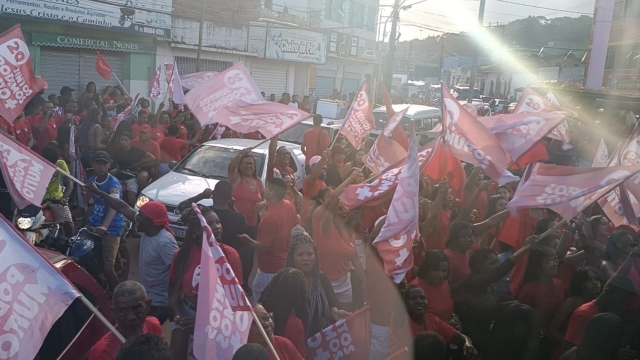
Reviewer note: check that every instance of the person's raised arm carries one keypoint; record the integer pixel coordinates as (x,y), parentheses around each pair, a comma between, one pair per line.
(273,148)
(233,173)
(44,124)
(470,204)
(205,194)
(491,222)
(469,185)
(114,203)
(303,146)
(432,223)
(334,200)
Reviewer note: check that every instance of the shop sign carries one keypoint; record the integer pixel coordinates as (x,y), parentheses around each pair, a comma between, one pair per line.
(356,47)
(90,43)
(296,45)
(151,18)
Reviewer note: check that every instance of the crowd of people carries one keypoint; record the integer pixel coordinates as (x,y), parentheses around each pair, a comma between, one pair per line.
(306,261)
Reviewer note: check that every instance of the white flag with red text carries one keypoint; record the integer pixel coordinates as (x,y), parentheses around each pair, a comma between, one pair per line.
(224,315)
(26,173)
(126,112)
(156,89)
(347,339)
(190,81)
(34,295)
(359,120)
(176,91)
(386,152)
(401,226)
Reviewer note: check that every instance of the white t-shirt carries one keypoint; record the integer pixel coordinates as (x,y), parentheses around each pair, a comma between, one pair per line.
(293,105)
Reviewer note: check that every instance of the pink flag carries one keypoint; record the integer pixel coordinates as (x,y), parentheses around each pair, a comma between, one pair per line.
(192,80)
(347,339)
(470,141)
(217,133)
(18,82)
(34,293)
(126,112)
(568,190)
(156,89)
(359,120)
(233,84)
(381,189)
(386,152)
(168,73)
(269,118)
(401,226)
(532,102)
(26,173)
(223,318)
(177,93)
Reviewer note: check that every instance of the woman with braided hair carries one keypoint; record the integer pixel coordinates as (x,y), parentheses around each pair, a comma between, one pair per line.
(320,298)
(185,275)
(284,297)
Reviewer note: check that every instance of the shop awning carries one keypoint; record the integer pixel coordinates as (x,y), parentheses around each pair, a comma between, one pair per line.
(81,42)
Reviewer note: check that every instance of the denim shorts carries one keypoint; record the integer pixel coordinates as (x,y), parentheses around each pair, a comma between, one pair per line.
(186,312)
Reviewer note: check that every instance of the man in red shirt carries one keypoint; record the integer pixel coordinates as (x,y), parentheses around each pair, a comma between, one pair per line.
(44,127)
(315,141)
(22,131)
(617,298)
(6,126)
(131,306)
(274,235)
(278,160)
(173,148)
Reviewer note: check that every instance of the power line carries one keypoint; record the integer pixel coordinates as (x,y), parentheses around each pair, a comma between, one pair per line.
(545,8)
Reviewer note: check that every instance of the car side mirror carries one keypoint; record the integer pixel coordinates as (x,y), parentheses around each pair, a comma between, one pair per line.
(173,164)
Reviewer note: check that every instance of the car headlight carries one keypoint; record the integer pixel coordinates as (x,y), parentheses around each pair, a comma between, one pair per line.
(141,201)
(24,223)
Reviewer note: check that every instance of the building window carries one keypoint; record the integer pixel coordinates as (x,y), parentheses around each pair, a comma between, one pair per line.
(628,59)
(372,18)
(334,9)
(617,10)
(611,58)
(632,10)
(358,13)
(187,65)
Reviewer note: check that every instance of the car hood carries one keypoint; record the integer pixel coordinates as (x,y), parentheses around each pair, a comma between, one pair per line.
(174,188)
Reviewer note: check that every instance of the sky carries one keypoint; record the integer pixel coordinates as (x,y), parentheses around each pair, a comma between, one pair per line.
(435,16)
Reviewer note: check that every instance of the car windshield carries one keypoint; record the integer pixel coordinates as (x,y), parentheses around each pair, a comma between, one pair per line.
(295,134)
(213,162)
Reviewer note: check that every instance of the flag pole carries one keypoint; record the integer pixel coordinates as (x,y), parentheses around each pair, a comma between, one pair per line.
(104,320)
(120,82)
(264,334)
(70,176)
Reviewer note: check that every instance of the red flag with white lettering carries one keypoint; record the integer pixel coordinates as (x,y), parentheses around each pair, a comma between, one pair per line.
(155,90)
(26,173)
(102,67)
(347,339)
(401,226)
(223,317)
(18,82)
(470,141)
(227,87)
(35,295)
(386,151)
(359,120)
(381,189)
(568,190)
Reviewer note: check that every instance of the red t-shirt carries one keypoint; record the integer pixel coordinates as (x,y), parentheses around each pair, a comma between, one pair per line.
(158,133)
(172,149)
(294,331)
(191,282)
(309,190)
(481,204)
(579,321)
(136,131)
(458,270)
(436,325)
(108,347)
(285,349)
(439,298)
(283,171)
(151,147)
(274,232)
(5,123)
(546,299)
(438,240)
(316,142)
(49,134)
(246,200)
(22,131)
(336,250)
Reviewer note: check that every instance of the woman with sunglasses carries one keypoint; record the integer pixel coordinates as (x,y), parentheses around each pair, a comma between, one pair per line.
(284,348)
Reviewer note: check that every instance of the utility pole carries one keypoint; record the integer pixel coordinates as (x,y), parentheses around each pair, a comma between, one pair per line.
(474,65)
(204,7)
(388,76)
(441,56)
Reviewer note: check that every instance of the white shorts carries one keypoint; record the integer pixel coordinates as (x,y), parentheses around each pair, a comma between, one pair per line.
(380,348)
(342,288)
(132,184)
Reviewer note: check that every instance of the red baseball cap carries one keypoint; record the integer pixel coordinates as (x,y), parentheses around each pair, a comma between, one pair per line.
(145,129)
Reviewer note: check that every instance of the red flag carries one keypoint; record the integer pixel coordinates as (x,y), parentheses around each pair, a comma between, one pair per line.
(223,318)
(156,89)
(190,81)
(18,83)
(35,295)
(347,339)
(443,165)
(381,189)
(207,99)
(399,135)
(359,120)
(568,190)
(26,173)
(103,68)
(470,141)
(401,227)
(386,151)
(269,118)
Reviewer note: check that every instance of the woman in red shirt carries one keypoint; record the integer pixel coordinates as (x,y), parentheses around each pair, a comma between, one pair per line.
(283,347)
(336,243)
(185,276)
(432,279)
(247,189)
(458,250)
(285,298)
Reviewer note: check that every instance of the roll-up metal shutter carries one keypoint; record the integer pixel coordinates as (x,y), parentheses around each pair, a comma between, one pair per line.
(60,68)
(351,83)
(88,70)
(325,83)
(270,77)
(187,65)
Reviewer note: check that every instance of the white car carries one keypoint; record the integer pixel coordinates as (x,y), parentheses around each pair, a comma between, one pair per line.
(207,165)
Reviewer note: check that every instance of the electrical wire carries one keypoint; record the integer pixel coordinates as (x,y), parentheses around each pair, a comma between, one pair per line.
(545,8)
